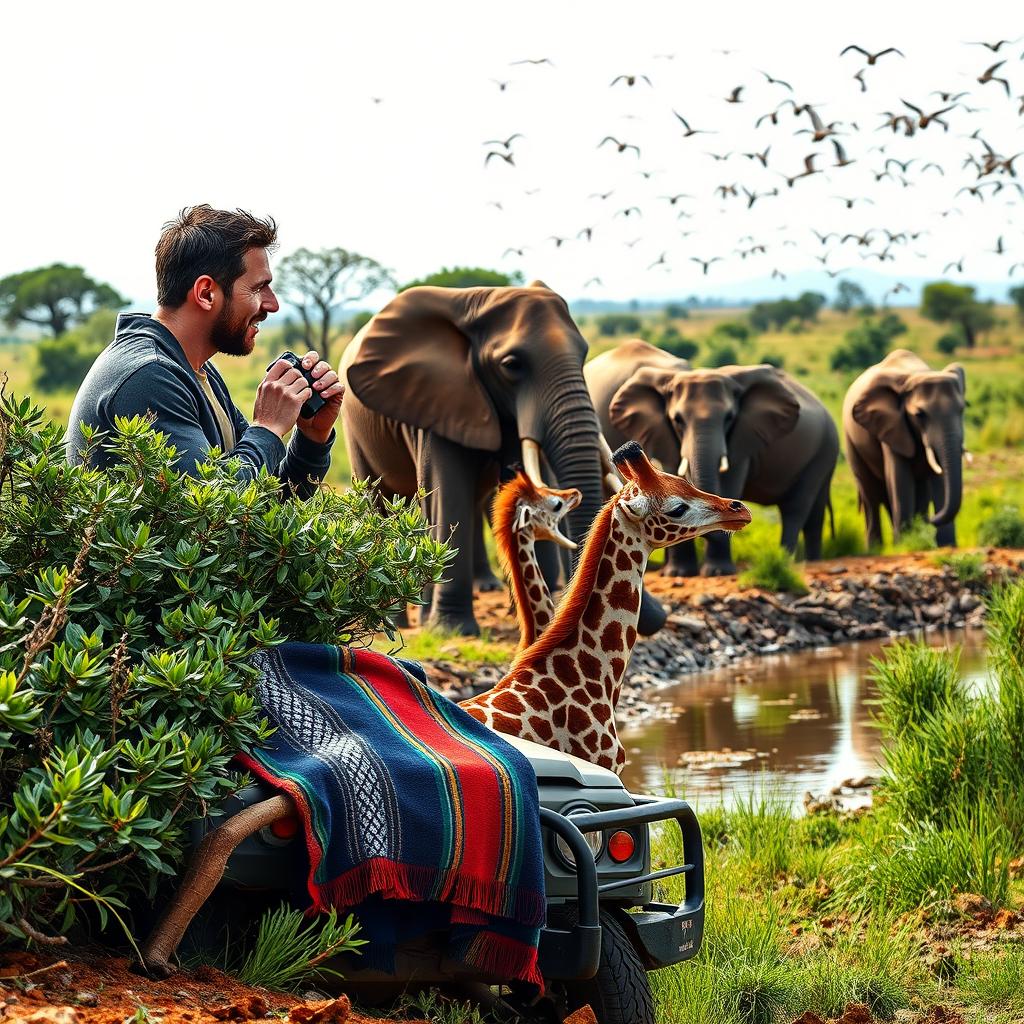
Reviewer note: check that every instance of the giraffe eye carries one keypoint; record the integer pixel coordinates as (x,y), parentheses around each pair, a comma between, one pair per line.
(555,504)
(676,507)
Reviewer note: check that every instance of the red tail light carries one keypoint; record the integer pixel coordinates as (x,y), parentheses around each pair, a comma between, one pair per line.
(621,846)
(285,828)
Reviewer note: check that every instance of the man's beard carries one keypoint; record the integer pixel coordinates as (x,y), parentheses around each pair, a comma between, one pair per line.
(230,335)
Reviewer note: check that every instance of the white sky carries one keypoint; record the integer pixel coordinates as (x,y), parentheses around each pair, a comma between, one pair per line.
(119,114)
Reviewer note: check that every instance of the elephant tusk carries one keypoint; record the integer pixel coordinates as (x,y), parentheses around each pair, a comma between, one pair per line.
(612,480)
(932,461)
(684,465)
(723,466)
(968,457)
(531,462)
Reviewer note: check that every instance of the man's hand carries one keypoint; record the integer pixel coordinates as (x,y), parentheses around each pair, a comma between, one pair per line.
(279,398)
(327,385)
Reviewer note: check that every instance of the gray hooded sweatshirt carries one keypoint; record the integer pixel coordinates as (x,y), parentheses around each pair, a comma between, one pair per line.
(144,370)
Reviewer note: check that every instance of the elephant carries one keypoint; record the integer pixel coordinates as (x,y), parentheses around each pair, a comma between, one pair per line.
(904,430)
(445,386)
(748,432)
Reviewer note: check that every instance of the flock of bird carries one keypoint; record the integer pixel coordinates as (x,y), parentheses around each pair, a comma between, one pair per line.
(979,167)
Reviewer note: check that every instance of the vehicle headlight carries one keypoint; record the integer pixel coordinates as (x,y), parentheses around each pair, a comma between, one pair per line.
(595,840)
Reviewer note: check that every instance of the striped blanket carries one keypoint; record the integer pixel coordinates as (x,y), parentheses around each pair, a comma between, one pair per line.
(417,817)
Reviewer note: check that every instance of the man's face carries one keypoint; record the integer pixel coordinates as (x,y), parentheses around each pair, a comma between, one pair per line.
(250,302)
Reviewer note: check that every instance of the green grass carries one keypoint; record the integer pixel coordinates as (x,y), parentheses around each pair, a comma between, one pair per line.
(441,645)
(918,535)
(1004,527)
(772,568)
(968,567)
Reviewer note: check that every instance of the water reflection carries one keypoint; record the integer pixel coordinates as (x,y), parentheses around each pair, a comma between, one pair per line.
(800,720)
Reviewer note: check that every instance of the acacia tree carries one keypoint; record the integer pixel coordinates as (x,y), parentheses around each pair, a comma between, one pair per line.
(55,297)
(848,295)
(1017,295)
(318,284)
(945,302)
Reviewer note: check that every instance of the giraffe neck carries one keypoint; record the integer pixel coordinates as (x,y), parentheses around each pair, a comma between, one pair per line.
(561,690)
(535,607)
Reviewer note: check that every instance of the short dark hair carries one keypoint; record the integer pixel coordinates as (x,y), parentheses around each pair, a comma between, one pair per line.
(203,240)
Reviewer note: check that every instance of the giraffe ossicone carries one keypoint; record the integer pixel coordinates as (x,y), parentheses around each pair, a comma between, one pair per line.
(561,690)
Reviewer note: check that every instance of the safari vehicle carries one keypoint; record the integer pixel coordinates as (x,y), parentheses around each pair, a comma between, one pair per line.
(604,932)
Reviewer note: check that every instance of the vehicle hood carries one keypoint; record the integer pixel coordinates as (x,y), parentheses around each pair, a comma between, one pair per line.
(553,764)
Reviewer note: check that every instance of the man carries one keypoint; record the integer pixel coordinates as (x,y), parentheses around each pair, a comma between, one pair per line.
(213,292)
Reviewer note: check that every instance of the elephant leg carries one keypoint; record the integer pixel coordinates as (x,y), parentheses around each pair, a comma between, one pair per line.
(718,555)
(899,486)
(814,524)
(448,472)
(681,560)
(804,507)
(870,496)
(484,579)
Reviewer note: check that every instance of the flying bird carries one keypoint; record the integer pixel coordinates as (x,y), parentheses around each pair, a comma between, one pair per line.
(601,195)
(592,280)
(529,60)
(705,263)
(763,157)
(589,232)
(842,160)
(872,57)
(690,131)
(776,81)
(959,264)
(518,252)
(672,200)
(808,170)
(628,212)
(849,201)
(860,78)
(659,261)
(926,119)
(507,143)
(502,86)
(630,79)
(621,146)
(988,76)
(994,47)
(734,96)
(507,157)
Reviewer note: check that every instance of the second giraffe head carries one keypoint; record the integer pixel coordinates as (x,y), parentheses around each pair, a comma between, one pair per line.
(666,509)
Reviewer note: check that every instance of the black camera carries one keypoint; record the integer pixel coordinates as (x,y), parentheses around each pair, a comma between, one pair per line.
(312,405)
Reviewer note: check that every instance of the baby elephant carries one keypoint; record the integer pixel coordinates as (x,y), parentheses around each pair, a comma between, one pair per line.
(749,432)
(904,427)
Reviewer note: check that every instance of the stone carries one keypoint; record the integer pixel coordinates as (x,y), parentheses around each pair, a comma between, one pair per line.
(87,999)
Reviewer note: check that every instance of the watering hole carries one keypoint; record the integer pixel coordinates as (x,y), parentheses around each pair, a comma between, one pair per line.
(784,724)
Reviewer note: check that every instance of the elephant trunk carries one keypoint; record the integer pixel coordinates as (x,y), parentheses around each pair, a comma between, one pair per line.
(572,449)
(948,451)
(705,452)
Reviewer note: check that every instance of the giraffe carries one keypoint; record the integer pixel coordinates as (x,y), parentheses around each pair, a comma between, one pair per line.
(525,512)
(561,690)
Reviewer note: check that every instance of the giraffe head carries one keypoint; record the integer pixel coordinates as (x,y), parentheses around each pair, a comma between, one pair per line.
(664,509)
(525,507)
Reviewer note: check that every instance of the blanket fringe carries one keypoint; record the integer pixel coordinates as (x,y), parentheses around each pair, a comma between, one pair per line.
(502,957)
(394,880)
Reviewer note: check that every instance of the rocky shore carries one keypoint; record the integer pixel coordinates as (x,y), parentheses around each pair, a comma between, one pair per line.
(713,623)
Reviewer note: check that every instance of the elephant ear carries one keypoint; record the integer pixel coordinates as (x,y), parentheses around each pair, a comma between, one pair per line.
(961,375)
(415,365)
(638,410)
(768,407)
(880,412)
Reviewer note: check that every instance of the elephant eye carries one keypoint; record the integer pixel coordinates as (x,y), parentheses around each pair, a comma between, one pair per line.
(512,362)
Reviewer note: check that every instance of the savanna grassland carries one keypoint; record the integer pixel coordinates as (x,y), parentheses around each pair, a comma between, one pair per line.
(916,904)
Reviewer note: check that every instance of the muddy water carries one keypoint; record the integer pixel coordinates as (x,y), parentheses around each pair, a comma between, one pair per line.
(803,716)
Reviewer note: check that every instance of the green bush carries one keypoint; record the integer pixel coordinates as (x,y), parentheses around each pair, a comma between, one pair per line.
(949,343)
(846,539)
(734,330)
(968,566)
(611,325)
(917,535)
(62,363)
(671,340)
(130,605)
(773,569)
(720,353)
(867,343)
(772,359)
(1004,528)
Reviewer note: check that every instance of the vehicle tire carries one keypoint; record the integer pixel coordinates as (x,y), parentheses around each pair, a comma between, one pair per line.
(619,993)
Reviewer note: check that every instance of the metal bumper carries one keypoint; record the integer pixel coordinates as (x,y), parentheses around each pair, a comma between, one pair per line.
(662,934)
